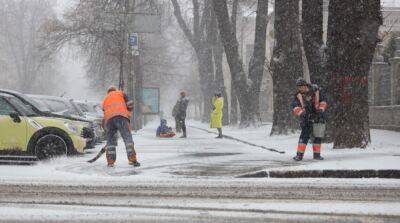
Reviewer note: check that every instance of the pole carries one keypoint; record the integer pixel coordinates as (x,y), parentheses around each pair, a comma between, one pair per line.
(130,88)
(138,91)
(135,78)
(124,47)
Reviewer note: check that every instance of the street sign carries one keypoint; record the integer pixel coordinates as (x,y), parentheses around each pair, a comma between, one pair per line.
(134,40)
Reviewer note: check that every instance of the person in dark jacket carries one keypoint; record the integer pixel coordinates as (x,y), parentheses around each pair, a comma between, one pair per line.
(309,104)
(181,107)
(164,131)
(175,115)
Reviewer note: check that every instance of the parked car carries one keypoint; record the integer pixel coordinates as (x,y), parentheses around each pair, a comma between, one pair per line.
(25,131)
(90,108)
(85,125)
(93,111)
(59,105)
(67,107)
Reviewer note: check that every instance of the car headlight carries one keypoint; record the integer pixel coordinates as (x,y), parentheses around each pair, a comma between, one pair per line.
(72,127)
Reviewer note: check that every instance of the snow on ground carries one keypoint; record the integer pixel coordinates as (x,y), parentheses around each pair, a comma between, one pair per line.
(382,153)
(201,156)
(214,209)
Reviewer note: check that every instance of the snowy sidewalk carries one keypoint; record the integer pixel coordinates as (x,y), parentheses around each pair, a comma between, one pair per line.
(201,156)
(382,154)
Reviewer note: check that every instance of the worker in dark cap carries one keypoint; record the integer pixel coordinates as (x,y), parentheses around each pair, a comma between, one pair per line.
(309,104)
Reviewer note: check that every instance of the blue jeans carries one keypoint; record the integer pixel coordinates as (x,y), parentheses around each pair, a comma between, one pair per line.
(118,124)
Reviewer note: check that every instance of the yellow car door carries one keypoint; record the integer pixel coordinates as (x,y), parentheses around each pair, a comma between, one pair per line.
(13,128)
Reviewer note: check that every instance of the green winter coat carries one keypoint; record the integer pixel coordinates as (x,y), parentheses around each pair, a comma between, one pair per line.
(216,114)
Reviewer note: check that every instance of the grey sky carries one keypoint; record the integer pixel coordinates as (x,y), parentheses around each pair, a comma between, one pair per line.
(76,84)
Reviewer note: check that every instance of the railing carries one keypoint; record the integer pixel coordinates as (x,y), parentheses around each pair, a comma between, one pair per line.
(385,117)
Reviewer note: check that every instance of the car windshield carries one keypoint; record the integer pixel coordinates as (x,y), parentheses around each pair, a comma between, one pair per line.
(59,106)
(76,108)
(24,108)
(38,106)
(84,107)
(90,107)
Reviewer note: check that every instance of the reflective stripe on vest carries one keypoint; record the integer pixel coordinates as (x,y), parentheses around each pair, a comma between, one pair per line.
(114,105)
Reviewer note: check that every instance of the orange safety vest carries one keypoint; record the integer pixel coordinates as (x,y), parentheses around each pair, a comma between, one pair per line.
(114,105)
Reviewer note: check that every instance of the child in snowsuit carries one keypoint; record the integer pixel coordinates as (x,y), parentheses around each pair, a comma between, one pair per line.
(309,105)
(164,131)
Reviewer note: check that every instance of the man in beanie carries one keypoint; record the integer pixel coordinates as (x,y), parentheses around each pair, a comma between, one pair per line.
(309,105)
(181,107)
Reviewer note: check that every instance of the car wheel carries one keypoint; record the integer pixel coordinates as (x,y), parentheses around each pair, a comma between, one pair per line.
(49,146)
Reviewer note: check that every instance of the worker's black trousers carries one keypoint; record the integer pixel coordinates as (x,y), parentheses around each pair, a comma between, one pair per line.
(307,133)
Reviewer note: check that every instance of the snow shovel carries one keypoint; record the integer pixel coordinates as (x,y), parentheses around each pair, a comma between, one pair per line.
(319,130)
(103,150)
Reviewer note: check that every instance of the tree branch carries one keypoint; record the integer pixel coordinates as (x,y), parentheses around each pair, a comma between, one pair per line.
(196,17)
(235,5)
(178,15)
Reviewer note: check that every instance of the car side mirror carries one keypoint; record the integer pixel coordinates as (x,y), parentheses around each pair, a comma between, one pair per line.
(15,117)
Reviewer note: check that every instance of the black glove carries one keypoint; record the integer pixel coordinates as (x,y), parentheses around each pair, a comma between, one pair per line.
(303,115)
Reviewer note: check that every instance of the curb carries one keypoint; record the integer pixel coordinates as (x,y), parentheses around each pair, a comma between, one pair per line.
(388,174)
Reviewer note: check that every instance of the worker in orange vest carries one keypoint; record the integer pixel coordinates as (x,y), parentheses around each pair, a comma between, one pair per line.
(117,107)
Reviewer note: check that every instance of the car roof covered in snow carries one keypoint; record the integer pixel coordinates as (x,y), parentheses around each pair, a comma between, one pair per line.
(48,97)
(10,92)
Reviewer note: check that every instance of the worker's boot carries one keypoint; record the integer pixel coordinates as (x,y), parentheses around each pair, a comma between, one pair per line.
(132,156)
(317,156)
(111,156)
(299,156)
(183,126)
(184,134)
(301,148)
(317,152)
(220,136)
(133,161)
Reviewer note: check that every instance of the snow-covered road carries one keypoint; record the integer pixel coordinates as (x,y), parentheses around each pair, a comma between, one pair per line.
(200,201)
(193,180)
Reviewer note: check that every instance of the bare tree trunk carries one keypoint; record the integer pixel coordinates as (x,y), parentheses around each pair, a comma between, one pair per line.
(234,100)
(312,34)
(218,53)
(230,43)
(245,87)
(206,69)
(138,124)
(203,48)
(256,66)
(220,82)
(352,37)
(286,64)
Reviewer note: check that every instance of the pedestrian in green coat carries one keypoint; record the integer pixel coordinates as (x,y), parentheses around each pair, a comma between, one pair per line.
(216,114)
